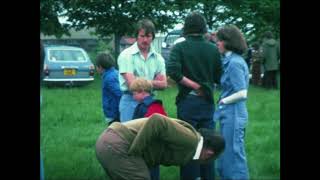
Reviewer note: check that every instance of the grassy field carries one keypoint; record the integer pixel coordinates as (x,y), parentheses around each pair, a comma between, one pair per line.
(72,120)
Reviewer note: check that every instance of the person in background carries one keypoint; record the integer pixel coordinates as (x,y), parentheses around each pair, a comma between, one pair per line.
(127,150)
(232,112)
(256,64)
(248,57)
(195,65)
(111,93)
(210,36)
(270,61)
(214,37)
(140,60)
(180,39)
(141,90)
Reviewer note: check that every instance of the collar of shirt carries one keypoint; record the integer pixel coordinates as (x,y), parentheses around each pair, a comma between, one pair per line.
(199,148)
(226,57)
(148,100)
(135,49)
(106,71)
(228,53)
(103,71)
(195,37)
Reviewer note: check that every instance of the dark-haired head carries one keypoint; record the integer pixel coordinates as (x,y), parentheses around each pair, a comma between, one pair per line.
(213,144)
(195,23)
(255,45)
(105,61)
(148,27)
(233,39)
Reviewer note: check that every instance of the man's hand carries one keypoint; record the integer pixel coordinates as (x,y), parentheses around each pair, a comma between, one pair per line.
(193,85)
(199,91)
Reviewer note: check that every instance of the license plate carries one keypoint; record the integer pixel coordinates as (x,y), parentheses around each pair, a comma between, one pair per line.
(69,72)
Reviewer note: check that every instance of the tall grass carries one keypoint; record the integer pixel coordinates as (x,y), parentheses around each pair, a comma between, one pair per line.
(72,119)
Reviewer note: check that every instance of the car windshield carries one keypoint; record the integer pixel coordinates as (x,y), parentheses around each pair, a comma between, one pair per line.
(66,55)
(171,38)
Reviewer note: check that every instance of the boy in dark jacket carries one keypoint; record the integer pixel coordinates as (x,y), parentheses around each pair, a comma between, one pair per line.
(142,90)
(111,93)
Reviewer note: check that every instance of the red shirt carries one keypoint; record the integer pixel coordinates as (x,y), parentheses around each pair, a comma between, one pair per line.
(155,108)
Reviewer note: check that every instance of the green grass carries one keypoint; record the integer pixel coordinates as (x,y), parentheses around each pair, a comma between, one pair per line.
(72,120)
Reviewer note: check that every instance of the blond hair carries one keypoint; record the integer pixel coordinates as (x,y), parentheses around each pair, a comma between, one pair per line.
(141,84)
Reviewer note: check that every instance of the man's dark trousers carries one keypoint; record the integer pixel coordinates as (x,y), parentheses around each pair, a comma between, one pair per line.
(199,113)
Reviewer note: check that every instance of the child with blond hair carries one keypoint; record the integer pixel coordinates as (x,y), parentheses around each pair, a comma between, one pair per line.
(142,90)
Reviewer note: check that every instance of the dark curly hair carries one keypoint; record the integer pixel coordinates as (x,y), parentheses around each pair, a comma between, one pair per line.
(212,140)
(195,23)
(233,39)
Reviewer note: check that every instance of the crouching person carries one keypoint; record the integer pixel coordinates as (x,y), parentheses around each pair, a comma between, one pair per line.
(127,150)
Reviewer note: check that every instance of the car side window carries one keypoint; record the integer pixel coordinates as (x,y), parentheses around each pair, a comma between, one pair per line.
(53,55)
(78,55)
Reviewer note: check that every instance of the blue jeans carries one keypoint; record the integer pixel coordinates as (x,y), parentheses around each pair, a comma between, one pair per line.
(199,113)
(232,163)
(155,173)
(126,107)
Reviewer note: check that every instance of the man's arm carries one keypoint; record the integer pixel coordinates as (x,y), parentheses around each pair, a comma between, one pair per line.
(173,66)
(160,128)
(191,84)
(174,70)
(125,64)
(160,78)
(159,82)
(129,77)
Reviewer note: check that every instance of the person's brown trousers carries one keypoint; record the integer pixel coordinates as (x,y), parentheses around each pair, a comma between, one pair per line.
(112,153)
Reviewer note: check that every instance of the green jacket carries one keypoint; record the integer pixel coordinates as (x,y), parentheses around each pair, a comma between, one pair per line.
(198,60)
(271,54)
(159,139)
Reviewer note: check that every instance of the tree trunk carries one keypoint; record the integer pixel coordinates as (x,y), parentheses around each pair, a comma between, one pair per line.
(117,39)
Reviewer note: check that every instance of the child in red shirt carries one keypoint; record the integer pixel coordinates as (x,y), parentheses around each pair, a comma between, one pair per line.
(147,106)
(142,90)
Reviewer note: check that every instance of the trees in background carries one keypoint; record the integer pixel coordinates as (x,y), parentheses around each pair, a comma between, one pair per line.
(253,17)
(118,17)
(49,22)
